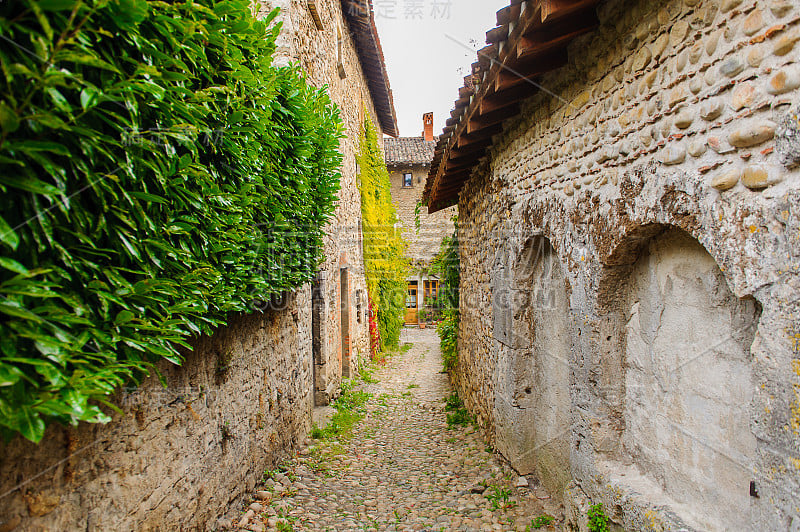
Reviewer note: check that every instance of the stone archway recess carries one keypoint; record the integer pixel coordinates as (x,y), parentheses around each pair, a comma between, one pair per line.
(533,340)
(678,350)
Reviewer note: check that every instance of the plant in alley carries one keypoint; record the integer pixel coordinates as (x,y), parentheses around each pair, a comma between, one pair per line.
(598,520)
(350,409)
(499,497)
(457,414)
(446,265)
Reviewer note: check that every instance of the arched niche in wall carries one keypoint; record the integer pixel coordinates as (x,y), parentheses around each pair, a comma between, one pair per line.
(677,361)
(533,328)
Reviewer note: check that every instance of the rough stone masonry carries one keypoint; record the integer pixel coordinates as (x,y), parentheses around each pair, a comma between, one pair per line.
(630,256)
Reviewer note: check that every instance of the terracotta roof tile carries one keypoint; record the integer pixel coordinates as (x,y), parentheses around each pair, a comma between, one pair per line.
(408,151)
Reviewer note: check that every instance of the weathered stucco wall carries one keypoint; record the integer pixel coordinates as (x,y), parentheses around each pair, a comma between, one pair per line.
(688,378)
(531,332)
(664,176)
(176,456)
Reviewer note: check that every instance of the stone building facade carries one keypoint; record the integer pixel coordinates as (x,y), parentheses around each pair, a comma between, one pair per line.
(176,458)
(629,219)
(408,160)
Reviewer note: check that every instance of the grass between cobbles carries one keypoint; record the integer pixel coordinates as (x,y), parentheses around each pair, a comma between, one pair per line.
(457,414)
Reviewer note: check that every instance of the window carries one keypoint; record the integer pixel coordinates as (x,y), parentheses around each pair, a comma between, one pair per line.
(340,53)
(408,180)
(411,297)
(430,291)
(312,7)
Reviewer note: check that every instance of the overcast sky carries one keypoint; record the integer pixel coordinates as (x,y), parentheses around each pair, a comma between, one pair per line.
(426,68)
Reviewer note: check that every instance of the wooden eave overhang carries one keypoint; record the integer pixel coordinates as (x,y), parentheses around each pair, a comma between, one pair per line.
(530,39)
(361,19)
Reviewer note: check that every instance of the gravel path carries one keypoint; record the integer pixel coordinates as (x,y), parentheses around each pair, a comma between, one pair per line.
(402,468)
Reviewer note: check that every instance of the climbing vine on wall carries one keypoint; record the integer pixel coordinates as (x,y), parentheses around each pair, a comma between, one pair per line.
(384,247)
(157,174)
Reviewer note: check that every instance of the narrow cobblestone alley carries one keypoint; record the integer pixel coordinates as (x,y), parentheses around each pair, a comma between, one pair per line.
(403,468)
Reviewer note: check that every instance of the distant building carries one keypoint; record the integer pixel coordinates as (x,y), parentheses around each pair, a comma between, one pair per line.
(408,160)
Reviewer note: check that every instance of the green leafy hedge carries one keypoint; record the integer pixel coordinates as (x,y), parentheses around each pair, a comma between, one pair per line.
(157,173)
(384,247)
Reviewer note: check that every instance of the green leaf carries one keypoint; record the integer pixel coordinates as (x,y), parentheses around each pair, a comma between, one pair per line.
(133,10)
(29,184)
(13,309)
(38,145)
(84,58)
(59,100)
(9,375)
(89,98)
(130,247)
(124,317)
(148,197)
(12,265)
(56,5)
(29,423)
(9,120)
(8,235)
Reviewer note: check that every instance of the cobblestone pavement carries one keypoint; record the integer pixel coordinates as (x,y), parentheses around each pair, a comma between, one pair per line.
(402,468)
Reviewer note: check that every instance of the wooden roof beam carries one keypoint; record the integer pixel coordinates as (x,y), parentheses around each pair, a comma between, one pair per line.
(508,14)
(455,182)
(498,34)
(555,9)
(479,145)
(476,123)
(499,100)
(542,40)
(463,163)
(459,174)
(473,138)
(486,55)
(525,72)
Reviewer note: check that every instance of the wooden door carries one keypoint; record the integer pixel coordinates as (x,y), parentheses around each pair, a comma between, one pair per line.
(411,304)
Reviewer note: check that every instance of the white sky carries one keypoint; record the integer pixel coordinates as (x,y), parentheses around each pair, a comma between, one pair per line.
(425,67)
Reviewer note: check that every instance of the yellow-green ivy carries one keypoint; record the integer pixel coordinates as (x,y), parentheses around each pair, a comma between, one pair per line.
(384,248)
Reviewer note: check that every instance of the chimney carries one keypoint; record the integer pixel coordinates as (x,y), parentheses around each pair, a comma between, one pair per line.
(427,120)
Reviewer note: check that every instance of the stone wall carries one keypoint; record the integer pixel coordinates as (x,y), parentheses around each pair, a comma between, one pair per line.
(664,178)
(433,228)
(175,457)
(316,51)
